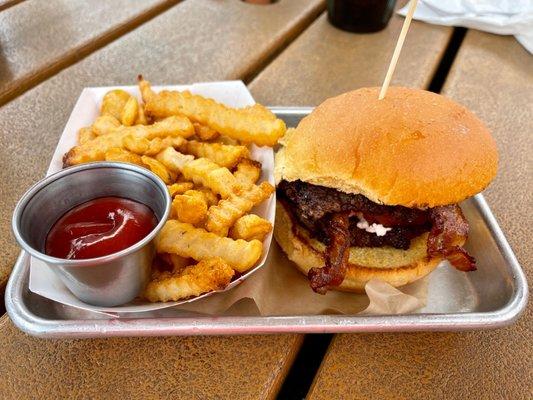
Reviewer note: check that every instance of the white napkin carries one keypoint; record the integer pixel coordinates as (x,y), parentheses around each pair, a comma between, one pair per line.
(503,17)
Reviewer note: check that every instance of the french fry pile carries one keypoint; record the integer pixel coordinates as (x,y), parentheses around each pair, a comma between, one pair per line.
(199,148)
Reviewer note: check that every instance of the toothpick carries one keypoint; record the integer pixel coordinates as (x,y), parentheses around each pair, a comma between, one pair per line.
(398,49)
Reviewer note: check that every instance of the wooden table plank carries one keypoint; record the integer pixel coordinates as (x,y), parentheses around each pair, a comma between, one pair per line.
(325,61)
(41,37)
(492,75)
(194,41)
(238,367)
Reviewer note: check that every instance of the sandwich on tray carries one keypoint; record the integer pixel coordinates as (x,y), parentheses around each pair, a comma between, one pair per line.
(370,188)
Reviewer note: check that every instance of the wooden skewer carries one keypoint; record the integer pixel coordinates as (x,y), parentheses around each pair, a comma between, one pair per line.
(398,49)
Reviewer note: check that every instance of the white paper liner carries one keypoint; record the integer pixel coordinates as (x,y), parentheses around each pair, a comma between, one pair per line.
(276,289)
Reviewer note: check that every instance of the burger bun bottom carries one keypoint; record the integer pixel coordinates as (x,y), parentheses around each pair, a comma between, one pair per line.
(394,266)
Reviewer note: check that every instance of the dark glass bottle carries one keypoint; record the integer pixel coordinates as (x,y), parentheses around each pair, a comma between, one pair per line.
(360,15)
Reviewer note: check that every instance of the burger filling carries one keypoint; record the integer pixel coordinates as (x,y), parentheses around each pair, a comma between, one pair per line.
(341,220)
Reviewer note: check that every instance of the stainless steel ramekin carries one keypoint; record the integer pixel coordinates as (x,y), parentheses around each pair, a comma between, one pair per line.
(104,281)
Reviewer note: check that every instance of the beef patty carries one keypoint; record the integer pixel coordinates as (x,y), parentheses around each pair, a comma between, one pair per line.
(313,206)
(332,216)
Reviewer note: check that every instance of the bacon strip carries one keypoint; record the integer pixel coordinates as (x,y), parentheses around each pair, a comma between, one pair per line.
(447,235)
(461,260)
(336,256)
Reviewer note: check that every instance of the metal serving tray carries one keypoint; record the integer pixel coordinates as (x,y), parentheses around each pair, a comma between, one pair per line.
(491,297)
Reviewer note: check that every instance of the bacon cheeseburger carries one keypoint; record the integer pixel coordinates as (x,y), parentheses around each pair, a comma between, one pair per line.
(369,188)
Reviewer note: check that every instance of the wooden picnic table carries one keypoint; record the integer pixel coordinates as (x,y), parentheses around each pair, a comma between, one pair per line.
(288,54)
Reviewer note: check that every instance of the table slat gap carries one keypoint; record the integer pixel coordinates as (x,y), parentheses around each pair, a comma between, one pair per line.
(448,57)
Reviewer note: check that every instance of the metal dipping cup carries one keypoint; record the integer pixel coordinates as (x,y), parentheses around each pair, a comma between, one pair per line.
(104,281)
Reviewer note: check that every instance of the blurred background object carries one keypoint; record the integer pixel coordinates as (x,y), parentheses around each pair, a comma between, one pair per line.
(360,15)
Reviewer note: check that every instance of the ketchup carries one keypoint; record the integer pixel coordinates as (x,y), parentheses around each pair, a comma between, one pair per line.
(99,227)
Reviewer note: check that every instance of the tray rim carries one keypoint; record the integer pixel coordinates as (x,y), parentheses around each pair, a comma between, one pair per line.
(34,325)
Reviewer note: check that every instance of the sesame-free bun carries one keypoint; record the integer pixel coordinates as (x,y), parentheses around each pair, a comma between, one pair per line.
(413,148)
(395,266)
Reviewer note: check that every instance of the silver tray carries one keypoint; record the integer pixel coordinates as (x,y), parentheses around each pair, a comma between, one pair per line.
(491,297)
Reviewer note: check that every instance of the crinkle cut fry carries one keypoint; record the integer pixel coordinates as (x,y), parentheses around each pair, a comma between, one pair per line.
(105,124)
(146,147)
(187,241)
(159,169)
(94,150)
(145,88)
(174,160)
(243,125)
(248,171)
(113,103)
(210,198)
(222,216)
(201,171)
(141,116)
(260,110)
(206,276)
(224,155)
(85,134)
(175,126)
(204,194)
(129,114)
(204,132)
(250,227)
(190,207)
(209,174)
(179,188)
(118,154)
